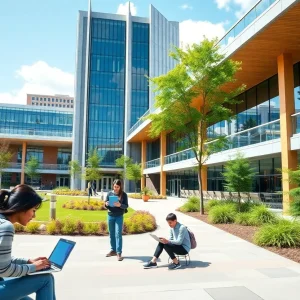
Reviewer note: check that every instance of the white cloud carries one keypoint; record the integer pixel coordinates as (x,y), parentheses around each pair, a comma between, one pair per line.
(123,9)
(40,78)
(243,5)
(194,31)
(186,6)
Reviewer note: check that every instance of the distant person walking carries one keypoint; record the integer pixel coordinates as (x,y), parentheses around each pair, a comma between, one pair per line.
(90,189)
(116,218)
(94,187)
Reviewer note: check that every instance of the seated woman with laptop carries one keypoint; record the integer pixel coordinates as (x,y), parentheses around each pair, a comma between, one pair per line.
(19,206)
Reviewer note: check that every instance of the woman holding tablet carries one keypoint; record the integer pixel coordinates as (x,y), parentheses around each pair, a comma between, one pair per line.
(19,206)
(117,204)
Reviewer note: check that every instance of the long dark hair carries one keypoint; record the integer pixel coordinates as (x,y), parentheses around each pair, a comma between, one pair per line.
(120,184)
(19,199)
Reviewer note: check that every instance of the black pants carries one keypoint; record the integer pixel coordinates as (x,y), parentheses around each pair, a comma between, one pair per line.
(170,249)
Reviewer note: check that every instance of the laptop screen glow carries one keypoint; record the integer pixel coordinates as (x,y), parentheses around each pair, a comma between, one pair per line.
(61,253)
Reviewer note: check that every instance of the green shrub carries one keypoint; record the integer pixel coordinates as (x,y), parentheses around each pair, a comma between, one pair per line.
(139,222)
(295,208)
(222,213)
(139,196)
(262,215)
(69,226)
(59,225)
(284,234)
(192,205)
(210,204)
(67,192)
(91,228)
(84,205)
(80,226)
(32,227)
(103,228)
(18,227)
(249,206)
(51,227)
(243,219)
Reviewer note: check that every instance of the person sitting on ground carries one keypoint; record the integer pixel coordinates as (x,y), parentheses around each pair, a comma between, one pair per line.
(179,243)
(19,206)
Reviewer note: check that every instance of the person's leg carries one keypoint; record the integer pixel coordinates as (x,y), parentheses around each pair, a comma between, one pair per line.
(158,252)
(20,288)
(174,249)
(112,232)
(119,231)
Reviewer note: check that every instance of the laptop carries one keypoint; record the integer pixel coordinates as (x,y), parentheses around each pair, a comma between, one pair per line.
(58,257)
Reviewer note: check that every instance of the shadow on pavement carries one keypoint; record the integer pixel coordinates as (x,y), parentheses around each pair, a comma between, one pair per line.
(142,259)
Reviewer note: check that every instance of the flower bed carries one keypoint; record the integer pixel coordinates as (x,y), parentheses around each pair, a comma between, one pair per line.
(84,205)
(139,222)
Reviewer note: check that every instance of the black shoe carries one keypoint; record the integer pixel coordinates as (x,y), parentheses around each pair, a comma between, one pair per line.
(174,266)
(150,265)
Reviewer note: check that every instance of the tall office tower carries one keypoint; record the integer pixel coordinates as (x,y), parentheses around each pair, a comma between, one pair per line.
(115,55)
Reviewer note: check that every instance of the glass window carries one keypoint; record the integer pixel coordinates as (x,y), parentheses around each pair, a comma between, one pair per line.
(274,99)
(48,99)
(64,100)
(56,100)
(45,99)
(33,98)
(297,87)
(263,102)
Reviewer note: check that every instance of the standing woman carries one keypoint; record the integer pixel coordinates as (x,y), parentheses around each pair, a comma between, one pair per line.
(115,219)
(19,206)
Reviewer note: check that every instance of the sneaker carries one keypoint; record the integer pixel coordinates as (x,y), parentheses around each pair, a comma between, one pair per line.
(174,266)
(150,265)
(111,253)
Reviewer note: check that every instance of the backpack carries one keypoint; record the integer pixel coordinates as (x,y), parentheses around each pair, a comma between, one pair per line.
(192,239)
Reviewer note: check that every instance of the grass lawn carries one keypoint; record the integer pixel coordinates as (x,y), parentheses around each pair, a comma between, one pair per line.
(43,213)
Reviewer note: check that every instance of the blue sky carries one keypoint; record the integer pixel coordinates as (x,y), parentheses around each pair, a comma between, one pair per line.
(38,38)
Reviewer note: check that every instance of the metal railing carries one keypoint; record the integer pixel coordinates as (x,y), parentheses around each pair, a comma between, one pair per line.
(34,132)
(262,133)
(245,21)
(41,166)
(179,156)
(139,122)
(152,163)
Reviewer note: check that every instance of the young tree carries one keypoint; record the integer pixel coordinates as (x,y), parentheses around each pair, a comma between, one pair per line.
(123,162)
(238,176)
(75,168)
(31,168)
(5,158)
(134,173)
(192,97)
(131,171)
(92,170)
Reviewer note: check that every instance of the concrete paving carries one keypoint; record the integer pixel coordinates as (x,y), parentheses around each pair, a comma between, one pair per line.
(223,267)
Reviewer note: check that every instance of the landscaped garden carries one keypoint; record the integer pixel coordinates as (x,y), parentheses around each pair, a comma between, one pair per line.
(83,216)
(251,221)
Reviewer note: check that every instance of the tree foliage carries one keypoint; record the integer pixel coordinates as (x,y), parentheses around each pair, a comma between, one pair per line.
(193,96)
(238,175)
(31,167)
(75,168)
(92,170)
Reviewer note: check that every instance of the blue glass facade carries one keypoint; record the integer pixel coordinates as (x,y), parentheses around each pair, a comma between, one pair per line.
(140,69)
(107,89)
(35,122)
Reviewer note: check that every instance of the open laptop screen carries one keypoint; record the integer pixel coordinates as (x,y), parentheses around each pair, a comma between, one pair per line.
(61,252)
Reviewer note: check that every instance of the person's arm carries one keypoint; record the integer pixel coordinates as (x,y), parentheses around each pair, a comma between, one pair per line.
(171,235)
(180,238)
(11,267)
(107,200)
(124,204)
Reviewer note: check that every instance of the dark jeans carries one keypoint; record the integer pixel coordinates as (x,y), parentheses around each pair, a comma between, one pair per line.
(170,249)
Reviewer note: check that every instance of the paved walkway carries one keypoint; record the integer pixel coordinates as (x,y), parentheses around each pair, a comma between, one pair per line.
(223,266)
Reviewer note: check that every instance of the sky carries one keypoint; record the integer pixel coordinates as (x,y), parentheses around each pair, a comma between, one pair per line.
(38,38)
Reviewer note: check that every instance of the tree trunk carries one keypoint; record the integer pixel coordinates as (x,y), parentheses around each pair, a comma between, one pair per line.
(0,180)
(239,199)
(200,190)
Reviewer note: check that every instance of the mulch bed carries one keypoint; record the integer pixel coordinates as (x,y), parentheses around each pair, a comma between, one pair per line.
(247,233)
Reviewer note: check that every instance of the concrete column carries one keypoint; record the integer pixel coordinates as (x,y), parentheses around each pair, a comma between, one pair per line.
(287,108)
(143,161)
(24,149)
(163,153)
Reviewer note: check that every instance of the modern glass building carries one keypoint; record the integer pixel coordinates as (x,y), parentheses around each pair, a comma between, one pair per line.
(115,55)
(43,133)
(265,127)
